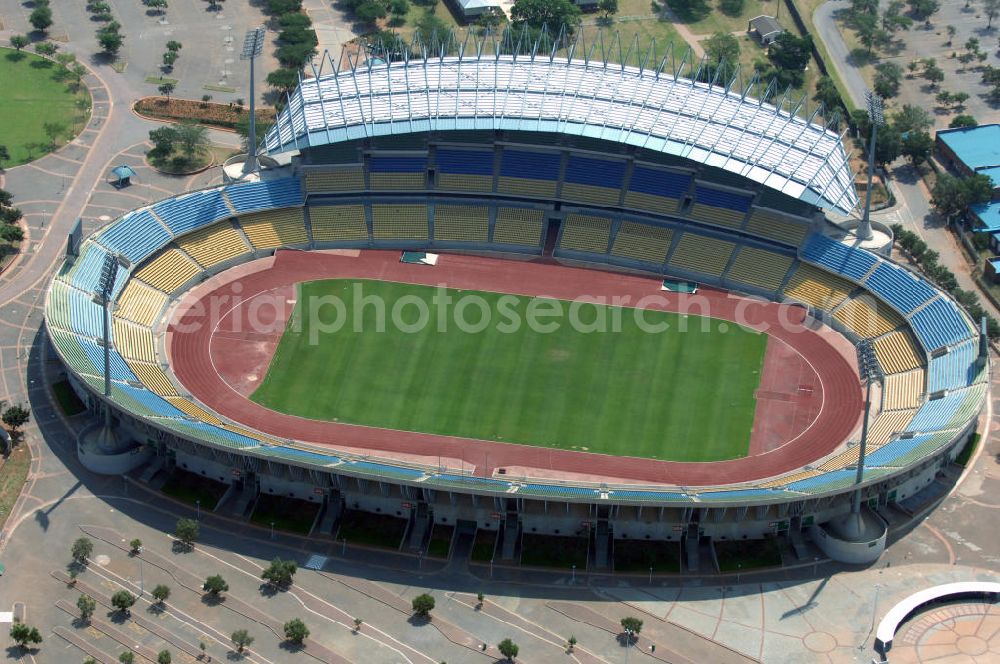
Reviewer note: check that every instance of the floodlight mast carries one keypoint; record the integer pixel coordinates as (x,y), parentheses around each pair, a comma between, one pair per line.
(105,288)
(876,117)
(871,372)
(253,46)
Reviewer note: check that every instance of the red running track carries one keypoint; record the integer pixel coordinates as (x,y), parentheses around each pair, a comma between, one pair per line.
(209,355)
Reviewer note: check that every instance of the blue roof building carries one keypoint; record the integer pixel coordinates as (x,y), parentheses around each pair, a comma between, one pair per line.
(972,150)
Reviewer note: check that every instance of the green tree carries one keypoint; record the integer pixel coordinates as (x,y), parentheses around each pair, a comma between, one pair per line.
(357,624)
(81,550)
(296,631)
(10,233)
(991,8)
(163,657)
(423,604)
(166,89)
(508,649)
(888,76)
(370,11)
(571,643)
(169,58)
(19,42)
(191,138)
(110,38)
(46,48)
(893,18)
(960,121)
(731,7)
(4,155)
(912,118)
(631,626)
(551,13)
(161,593)
(610,7)
(283,79)
(41,18)
(54,130)
(959,99)
(158,6)
(24,635)
(827,93)
(722,47)
(280,572)
(186,531)
(241,639)
(174,46)
(922,10)
(87,605)
(214,585)
(135,546)
(123,600)
(870,32)
(918,146)
(888,145)
(934,75)
(127,657)
(17,416)
(790,56)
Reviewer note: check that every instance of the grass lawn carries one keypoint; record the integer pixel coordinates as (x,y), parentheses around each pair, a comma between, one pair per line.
(371,529)
(32,96)
(291,514)
(69,403)
(13,473)
(735,555)
(483,546)
(554,551)
(440,541)
(684,394)
(190,488)
(966,454)
(717,21)
(640,555)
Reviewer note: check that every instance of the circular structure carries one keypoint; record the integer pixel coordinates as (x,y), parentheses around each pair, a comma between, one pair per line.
(530,179)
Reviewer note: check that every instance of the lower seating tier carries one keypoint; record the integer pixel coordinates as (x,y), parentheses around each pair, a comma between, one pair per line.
(518,226)
(642,242)
(585,233)
(168,271)
(699,253)
(758,267)
(213,244)
(897,352)
(277,228)
(140,303)
(338,223)
(864,316)
(817,288)
(462,223)
(399,222)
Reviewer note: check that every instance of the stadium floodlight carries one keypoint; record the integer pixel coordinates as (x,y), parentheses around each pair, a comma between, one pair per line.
(105,287)
(871,371)
(253,46)
(876,118)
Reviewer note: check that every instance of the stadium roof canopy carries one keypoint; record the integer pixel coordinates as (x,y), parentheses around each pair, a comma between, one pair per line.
(715,125)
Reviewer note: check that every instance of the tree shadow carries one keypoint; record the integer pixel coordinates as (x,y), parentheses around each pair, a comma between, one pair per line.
(180,547)
(208,599)
(859,57)
(80,623)
(16,56)
(418,621)
(291,646)
(16,652)
(234,656)
(118,617)
(156,609)
(268,590)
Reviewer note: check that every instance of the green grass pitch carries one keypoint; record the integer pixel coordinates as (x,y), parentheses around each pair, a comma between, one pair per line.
(677,395)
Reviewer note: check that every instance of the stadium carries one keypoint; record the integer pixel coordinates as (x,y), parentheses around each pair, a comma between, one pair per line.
(539,179)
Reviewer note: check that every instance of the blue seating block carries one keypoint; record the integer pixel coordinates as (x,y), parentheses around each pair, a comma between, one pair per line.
(464,162)
(898,287)
(937,414)
(136,236)
(535,165)
(939,324)
(398,164)
(722,199)
(956,369)
(659,183)
(888,453)
(193,211)
(265,195)
(119,369)
(838,257)
(595,172)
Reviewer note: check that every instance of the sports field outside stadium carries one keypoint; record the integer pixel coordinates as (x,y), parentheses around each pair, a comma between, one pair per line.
(598,379)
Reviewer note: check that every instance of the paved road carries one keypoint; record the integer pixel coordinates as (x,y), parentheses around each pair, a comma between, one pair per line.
(840,58)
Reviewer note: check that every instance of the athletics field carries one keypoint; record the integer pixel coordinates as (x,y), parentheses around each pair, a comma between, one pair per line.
(685,393)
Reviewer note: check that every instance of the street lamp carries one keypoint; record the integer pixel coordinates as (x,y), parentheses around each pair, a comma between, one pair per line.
(573,578)
(253,46)
(272,530)
(876,117)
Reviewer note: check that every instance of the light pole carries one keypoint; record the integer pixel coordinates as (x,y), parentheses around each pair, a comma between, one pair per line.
(142,584)
(739,568)
(876,117)
(573,578)
(272,530)
(650,575)
(198,505)
(253,45)
(491,568)
(870,371)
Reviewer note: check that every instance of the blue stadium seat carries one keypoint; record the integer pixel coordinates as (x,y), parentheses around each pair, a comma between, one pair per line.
(939,324)
(144,401)
(659,183)
(385,164)
(136,236)
(464,162)
(119,370)
(533,165)
(192,211)
(86,273)
(898,287)
(893,450)
(86,316)
(722,199)
(383,469)
(939,413)
(735,494)
(293,452)
(838,257)
(559,490)
(654,496)
(265,195)
(956,369)
(212,433)
(818,481)
(595,172)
